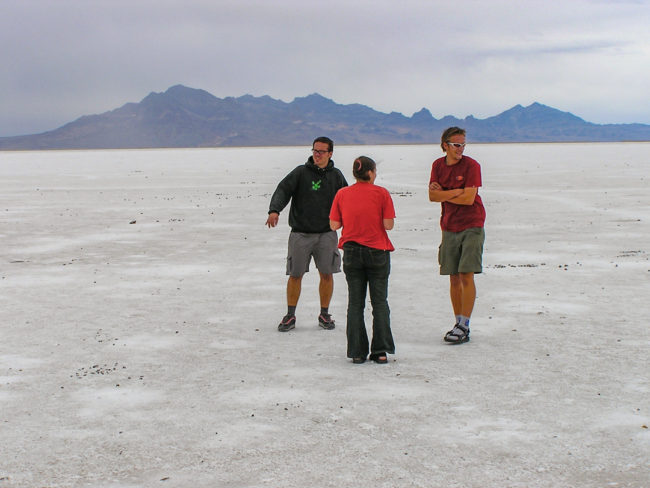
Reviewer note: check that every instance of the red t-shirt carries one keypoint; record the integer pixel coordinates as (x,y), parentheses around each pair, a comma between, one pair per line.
(465,173)
(361,209)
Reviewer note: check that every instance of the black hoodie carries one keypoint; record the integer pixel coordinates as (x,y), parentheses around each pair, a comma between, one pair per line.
(311,190)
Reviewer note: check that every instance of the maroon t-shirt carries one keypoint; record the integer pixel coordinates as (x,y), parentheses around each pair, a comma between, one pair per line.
(465,173)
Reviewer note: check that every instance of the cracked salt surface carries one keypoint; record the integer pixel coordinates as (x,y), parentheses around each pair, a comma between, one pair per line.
(146,354)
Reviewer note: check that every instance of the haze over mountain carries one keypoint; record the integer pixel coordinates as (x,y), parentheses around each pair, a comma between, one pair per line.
(187,117)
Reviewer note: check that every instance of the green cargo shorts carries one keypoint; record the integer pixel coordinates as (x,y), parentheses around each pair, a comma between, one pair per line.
(461,252)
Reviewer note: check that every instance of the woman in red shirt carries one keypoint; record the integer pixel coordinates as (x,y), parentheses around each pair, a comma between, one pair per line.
(365,212)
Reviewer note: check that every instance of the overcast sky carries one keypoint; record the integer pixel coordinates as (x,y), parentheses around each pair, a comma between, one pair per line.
(61,59)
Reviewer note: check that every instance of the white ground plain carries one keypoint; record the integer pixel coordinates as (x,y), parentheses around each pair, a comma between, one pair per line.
(140,293)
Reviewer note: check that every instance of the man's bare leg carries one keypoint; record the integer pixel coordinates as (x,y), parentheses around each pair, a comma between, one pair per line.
(326,289)
(294,286)
(462,291)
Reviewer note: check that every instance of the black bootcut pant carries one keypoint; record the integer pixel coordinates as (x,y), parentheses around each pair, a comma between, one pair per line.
(367,269)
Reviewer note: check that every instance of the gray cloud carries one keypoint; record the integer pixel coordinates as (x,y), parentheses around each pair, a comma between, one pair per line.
(74,57)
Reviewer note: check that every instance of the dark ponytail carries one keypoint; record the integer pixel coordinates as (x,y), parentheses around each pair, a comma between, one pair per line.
(361,166)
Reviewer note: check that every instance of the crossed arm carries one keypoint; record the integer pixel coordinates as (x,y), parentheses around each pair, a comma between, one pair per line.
(459,196)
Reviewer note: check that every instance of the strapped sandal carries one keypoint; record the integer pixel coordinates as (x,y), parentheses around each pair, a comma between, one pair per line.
(458,335)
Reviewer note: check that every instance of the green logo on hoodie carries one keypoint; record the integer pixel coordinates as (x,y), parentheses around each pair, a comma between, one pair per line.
(315,185)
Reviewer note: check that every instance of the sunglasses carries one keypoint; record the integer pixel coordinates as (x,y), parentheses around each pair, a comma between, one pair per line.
(456,144)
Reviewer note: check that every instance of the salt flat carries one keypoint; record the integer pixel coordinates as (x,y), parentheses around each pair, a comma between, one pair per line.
(140,293)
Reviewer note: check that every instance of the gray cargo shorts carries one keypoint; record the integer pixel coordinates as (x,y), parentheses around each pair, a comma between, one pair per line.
(323,248)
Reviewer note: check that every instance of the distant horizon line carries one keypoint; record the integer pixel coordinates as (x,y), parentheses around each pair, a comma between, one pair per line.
(220,148)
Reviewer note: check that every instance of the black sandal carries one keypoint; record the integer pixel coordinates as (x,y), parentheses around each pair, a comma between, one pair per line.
(458,335)
(379,358)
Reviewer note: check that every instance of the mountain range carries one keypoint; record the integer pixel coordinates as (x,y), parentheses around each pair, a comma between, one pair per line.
(188,117)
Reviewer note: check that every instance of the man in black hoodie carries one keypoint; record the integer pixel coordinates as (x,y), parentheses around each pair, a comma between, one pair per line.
(311,188)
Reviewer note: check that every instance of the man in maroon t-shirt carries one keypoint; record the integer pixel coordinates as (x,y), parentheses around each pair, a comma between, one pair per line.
(454,183)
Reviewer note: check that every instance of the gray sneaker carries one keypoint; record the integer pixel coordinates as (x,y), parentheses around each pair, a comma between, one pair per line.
(325,321)
(288,323)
